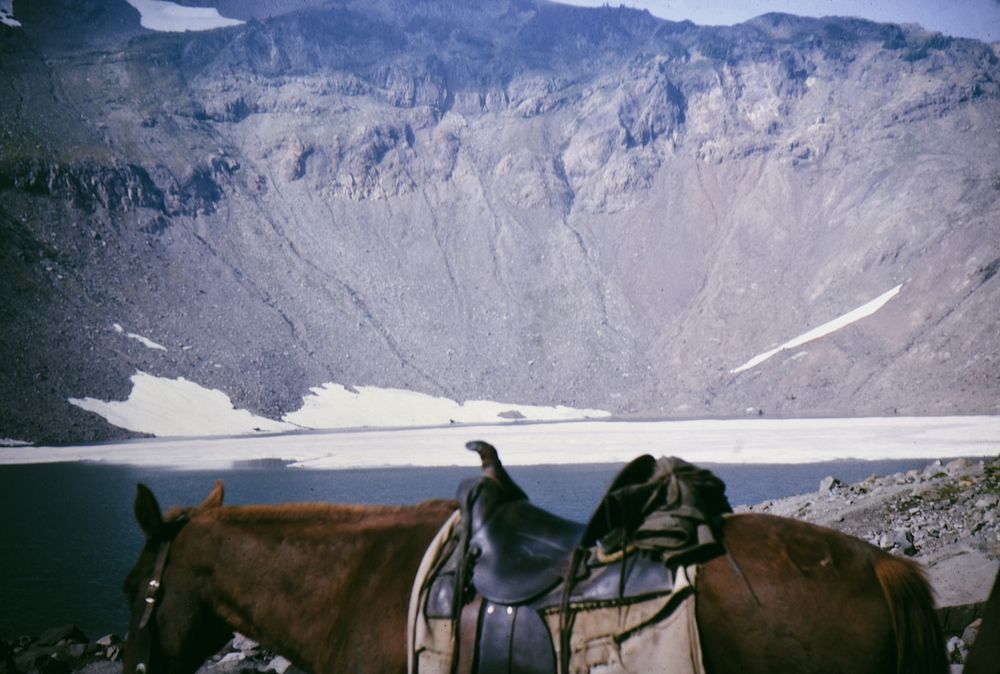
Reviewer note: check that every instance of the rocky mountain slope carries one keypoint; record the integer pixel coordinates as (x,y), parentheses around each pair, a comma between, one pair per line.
(509,199)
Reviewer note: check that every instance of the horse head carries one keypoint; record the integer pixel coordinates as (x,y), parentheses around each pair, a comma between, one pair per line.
(170,631)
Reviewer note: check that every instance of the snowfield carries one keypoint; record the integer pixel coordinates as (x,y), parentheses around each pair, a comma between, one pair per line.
(171,17)
(336,406)
(177,407)
(180,408)
(706,441)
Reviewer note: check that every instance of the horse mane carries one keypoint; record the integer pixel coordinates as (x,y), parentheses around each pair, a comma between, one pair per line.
(315,512)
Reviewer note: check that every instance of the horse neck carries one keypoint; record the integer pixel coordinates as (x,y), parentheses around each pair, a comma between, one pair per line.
(326,586)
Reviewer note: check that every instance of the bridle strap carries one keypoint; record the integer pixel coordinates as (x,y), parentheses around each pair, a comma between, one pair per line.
(152,595)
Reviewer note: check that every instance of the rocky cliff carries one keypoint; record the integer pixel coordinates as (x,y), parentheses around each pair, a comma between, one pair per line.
(509,199)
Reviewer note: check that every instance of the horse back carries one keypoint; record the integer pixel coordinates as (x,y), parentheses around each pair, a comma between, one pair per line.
(792,596)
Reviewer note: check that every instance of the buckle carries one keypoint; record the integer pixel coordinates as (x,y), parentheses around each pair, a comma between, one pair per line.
(152,589)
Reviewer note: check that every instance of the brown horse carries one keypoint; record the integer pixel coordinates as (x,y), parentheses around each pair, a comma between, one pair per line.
(328,587)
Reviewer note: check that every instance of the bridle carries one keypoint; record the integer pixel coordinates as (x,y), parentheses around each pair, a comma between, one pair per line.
(152,594)
(151,598)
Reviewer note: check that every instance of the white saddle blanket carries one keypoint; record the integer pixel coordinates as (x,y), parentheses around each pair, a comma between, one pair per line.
(659,634)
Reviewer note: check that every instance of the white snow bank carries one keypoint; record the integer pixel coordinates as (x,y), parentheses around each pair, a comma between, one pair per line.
(171,17)
(823,330)
(177,407)
(145,341)
(705,441)
(10,442)
(7,14)
(336,406)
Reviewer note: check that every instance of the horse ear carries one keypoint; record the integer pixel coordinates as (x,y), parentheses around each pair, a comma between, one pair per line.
(214,499)
(147,512)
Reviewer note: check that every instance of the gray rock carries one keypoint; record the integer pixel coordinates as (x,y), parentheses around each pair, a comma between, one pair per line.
(903,539)
(960,574)
(67,633)
(53,666)
(101,667)
(77,650)
(279,664)
(933,469)
(987,502)
(243,643)
(957,467)
(971,632)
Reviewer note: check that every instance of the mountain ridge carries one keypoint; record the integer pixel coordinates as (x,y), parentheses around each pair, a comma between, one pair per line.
(515,200)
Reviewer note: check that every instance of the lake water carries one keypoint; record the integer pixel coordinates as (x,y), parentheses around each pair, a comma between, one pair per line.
(68,537)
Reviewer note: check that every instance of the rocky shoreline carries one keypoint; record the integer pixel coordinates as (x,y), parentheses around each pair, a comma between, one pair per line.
(944,516)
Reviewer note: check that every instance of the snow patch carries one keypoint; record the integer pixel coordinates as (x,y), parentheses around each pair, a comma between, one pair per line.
(145,341)
(823,330)
(171,17)
(178,407)
(10,442)
(148,343)
(336,406)
(7,14)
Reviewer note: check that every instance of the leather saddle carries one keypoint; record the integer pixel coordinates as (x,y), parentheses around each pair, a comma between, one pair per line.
(511,561)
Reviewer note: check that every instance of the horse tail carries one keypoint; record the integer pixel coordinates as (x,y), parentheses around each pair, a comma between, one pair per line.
(920,645)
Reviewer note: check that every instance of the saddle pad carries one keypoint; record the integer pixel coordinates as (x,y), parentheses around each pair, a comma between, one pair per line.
(428,644)
(658,634)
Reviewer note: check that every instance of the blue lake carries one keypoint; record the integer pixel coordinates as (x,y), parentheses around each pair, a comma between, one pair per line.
(68,536)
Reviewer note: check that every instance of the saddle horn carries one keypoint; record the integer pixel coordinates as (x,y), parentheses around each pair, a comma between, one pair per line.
(493,469)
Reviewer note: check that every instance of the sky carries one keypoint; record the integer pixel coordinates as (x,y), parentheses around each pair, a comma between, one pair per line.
(979,19)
